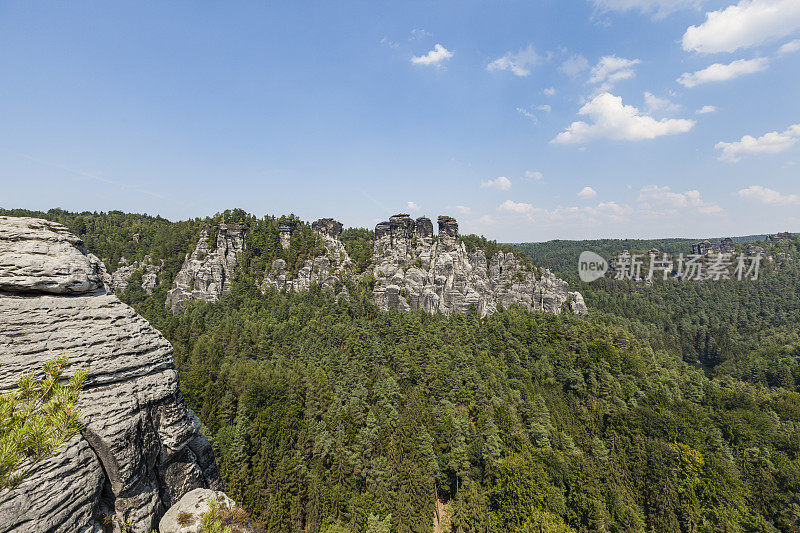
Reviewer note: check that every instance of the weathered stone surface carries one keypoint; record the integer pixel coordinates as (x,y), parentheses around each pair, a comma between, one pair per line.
(285,229)
(140,449)
(325,270)
(206,274)
(184,516)
(118,281)
(414,272)
(42,256)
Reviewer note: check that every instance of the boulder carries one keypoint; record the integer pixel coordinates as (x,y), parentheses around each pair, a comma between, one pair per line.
(186,515)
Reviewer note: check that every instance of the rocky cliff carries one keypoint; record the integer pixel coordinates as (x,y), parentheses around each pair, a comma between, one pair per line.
(415,270)
(119,279)
(206,273)
(325,270)
(140,450)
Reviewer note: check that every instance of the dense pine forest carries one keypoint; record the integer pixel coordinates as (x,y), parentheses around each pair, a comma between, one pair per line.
(671,407)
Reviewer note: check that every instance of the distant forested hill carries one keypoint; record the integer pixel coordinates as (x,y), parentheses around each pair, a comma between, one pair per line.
(671,407)
(705,322)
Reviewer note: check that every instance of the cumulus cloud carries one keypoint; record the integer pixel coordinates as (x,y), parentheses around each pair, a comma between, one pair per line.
(501,182)
(656,8)
(770,143)
(549,91)
(722,72)
(520,63)
(613,120)
(587,192)
(516,207)
(433,57)
(655,197)
(544,107)
(706,109)
(654,104)
(768,196)
(611,69)
(574,65)
(412,206)
(533,175)
(791,46)
(743,25)
(464,210)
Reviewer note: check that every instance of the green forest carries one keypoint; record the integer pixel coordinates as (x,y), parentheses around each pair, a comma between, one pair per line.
(670,407)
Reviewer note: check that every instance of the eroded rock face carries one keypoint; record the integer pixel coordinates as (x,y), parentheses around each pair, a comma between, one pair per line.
(118,281)
(325,270)
(186,515)
(206,273)
(140,450)
(414,271)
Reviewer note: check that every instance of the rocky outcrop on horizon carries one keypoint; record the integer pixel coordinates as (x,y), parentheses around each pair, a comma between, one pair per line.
(413,268)
(206,273)
(118,281)
(416,271)
(141,450)
(325,270)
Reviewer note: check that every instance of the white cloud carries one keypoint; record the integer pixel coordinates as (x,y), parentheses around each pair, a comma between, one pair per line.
(706,109)
(791,46)
(574,65)
(550,91)
(587,192)
(768,196)
(721,72)
(525,113)
(419,33)
(611,69)
(463,209)
(533,175)
(769,143)
(515,207)
(654,103)
(433,57)
(501,182)
(391,44)
(412,206)
(544,107)
(519,63)
(655,197)
(746,24)
(613,120)
(656,8)
(486,219)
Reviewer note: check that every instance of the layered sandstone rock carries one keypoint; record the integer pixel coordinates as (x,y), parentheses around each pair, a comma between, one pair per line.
(140,450)
(207,272)
(325,270)
(118,281)
(415,271)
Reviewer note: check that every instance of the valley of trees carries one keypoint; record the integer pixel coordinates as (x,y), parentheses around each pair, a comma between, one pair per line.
(671,407)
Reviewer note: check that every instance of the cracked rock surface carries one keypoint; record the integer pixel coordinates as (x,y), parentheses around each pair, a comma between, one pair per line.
(141,449)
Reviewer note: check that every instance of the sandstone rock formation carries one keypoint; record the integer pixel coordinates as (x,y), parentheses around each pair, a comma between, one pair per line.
(118,281)
(285,229)
(325,270)
(185,516)
(206,273)
(415,271)
(140,450)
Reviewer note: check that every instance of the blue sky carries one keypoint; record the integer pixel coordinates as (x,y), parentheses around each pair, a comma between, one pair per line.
(524,120)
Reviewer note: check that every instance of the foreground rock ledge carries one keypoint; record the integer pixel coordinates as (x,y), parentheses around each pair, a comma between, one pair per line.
(141,450)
